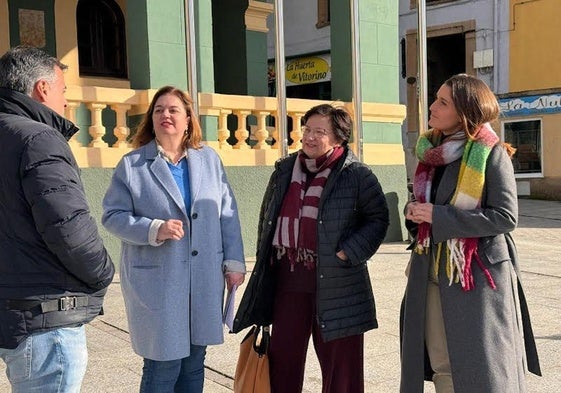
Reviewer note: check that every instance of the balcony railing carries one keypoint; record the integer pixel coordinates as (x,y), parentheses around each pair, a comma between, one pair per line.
(245,133)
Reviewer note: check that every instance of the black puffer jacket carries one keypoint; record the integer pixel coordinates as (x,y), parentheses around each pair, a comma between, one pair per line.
(353,216)
(54,269)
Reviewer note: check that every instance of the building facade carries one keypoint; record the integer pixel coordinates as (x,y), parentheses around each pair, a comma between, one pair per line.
(511,45)
(532,106)
(119,52)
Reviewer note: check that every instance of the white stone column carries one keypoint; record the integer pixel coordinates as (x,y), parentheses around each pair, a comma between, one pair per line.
(121,130)
(261,134)
(96,130)
(242,133)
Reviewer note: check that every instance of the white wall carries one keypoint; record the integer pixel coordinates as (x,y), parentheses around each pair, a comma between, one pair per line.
(492,32)
(488,26)
(300,33)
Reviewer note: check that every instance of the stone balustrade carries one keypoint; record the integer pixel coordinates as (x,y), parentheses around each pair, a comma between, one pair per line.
(245,133)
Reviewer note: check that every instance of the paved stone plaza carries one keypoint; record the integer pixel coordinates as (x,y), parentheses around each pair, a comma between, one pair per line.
(113,367)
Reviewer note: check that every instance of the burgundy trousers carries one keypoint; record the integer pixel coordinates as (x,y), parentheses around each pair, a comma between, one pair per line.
(341,360)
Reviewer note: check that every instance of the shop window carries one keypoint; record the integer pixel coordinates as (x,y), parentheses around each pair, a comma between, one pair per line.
(525,136)
(323,13)
(101,39)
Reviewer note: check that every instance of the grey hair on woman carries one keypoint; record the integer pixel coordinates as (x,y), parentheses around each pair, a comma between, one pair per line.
(23,66)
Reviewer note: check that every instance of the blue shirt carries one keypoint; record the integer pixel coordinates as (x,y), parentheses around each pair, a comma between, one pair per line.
(180,173)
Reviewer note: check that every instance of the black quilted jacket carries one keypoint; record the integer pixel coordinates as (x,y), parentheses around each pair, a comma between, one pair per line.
(49,243)
(352,216)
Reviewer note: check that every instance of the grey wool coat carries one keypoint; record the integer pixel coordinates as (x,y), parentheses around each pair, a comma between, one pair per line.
(488,353)
(173,292)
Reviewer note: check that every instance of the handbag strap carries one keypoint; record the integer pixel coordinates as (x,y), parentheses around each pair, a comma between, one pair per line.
(261,342)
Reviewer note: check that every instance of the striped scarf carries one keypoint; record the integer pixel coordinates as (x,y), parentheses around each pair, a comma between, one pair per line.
(469,189)
(296,230)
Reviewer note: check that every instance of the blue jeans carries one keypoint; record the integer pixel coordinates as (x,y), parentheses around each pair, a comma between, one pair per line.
(185,375)
(48,362)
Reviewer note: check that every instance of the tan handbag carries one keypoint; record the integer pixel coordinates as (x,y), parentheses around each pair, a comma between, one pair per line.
(252,370)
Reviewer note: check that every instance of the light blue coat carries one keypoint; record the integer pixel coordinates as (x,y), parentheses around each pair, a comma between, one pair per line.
(173,292)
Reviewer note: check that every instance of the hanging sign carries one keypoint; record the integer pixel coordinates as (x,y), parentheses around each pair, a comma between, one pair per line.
(304,70)
(521,106)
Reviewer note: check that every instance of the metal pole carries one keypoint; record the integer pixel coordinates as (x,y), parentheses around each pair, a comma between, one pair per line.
(357,91)
(280,78)
(422,65)
(191,54)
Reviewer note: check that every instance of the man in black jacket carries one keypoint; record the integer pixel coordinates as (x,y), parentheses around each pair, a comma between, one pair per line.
(54,269)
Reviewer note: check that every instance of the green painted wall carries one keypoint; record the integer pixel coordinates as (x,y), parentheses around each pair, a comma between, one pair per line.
(205,56)
(96,181)
(374,132)
(256,64)
(393,181)
(379,50)
(379,65)
(248,184)
(137,44)
(228,29)
(205,42)
(156,43)
(341,51)
(379,46)
(240,56)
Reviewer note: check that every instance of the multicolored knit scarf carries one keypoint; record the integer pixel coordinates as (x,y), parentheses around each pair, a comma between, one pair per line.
(296,231)
(469,189)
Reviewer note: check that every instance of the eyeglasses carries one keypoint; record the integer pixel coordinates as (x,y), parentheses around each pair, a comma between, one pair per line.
(314,132)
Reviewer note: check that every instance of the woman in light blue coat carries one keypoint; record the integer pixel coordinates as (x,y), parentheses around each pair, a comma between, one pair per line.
(171,205)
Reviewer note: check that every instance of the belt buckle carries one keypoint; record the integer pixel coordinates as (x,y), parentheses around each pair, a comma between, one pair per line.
(67,303)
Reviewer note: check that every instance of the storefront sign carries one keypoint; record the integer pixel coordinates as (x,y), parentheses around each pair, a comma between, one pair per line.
(522,106)
(303,70)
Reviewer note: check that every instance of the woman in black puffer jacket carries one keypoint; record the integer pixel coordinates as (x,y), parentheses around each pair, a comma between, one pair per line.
(323,216)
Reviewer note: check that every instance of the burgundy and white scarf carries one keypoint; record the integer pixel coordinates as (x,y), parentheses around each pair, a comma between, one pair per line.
(296,231)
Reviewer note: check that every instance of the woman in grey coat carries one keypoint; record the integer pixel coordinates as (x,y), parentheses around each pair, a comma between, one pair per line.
(464,319)
(171,205)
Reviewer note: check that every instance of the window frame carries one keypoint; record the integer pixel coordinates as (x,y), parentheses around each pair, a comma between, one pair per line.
(323,14)
(101,66)
(540,152)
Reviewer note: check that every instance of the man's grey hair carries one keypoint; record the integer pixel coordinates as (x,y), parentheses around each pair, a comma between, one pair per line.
(23,66)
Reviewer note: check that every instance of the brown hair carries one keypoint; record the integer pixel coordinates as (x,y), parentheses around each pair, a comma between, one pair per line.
(475,103)
(339,118)
(145,130)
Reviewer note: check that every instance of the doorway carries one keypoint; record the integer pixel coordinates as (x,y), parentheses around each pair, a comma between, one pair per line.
(446,56)
(449,51)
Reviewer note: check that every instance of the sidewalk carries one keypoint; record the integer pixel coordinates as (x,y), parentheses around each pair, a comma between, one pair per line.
(113,367)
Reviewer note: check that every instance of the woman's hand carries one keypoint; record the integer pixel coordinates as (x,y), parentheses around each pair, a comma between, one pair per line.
(234,278)
(341,255)
(419,212)
(171,229)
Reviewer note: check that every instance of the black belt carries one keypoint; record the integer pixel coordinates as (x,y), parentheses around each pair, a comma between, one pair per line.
(65,303)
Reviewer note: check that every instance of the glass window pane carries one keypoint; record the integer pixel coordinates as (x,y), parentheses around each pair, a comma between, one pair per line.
(525,136)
